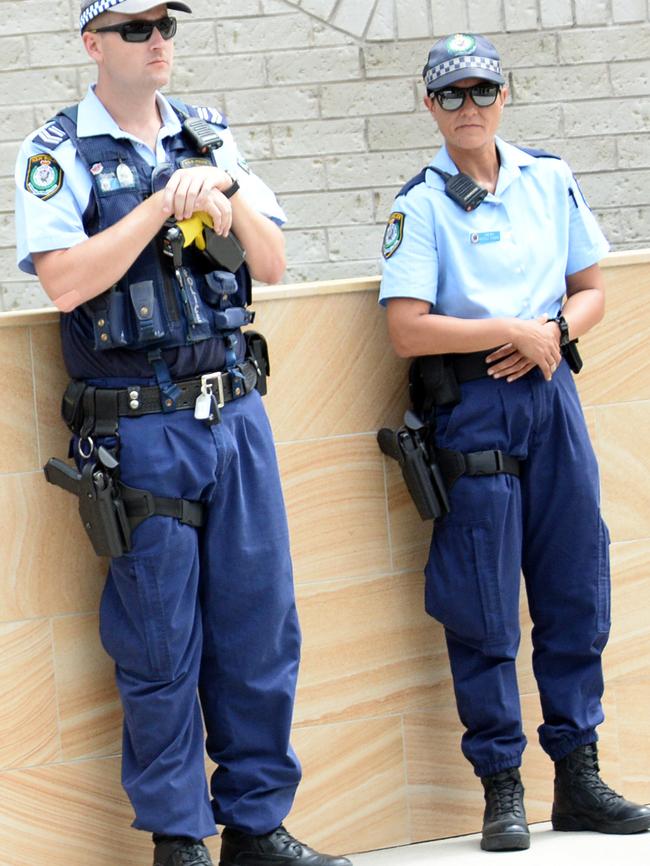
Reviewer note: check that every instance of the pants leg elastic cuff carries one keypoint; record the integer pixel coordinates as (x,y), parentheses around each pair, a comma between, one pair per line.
(567,745)
(507,763)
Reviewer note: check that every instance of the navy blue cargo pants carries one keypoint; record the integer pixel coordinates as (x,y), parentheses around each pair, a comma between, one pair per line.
(203,629)
(546,524)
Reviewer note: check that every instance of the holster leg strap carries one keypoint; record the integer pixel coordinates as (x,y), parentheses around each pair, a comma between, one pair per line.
(141,504)
(111,510)
(453,464)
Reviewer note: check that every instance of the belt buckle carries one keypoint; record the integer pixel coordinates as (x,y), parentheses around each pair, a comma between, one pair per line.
(206,386)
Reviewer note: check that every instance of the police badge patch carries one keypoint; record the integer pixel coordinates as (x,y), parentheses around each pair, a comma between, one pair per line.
(461,43)
(393,234)
(44,176)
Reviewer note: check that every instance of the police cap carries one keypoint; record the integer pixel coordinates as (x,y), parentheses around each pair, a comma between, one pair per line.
(92,8)
(462,55)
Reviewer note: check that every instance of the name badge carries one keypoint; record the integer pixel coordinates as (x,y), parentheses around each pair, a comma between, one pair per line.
(484,237)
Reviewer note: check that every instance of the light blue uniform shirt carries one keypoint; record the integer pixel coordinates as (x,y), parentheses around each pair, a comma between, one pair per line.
(57,222)
(509,257)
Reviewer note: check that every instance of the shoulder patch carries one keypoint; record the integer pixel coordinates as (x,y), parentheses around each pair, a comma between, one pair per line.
(538,154)
(44,176)
(50,136)
(414,181)
(394,234)
(202,111)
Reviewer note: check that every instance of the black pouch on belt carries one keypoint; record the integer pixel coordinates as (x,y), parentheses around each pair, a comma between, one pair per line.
(72,405)
(432,382)
(421,474)
(258,351)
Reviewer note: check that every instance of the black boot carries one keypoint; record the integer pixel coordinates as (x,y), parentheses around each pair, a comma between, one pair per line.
(279,847)
(180,851)
(504,821)
(584,802)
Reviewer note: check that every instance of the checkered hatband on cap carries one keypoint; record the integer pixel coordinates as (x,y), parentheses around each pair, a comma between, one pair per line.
(467,61)
(94,9)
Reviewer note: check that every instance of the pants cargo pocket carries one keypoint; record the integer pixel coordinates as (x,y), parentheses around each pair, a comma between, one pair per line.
(132,618)
(462,582)
(604,584)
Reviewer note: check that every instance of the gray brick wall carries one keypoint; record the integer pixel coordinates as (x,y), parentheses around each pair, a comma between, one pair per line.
(325,98)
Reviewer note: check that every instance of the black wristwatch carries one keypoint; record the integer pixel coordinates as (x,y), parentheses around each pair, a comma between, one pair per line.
(568,346)
(232,189)
(562,324)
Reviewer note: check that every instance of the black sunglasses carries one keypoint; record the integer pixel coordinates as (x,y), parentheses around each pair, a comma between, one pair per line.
(140,31)
(451,98)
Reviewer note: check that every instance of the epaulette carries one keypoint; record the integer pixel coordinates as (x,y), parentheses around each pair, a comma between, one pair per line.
(211,115)
(51,135)
(414,181)
(538,154)
(541,154)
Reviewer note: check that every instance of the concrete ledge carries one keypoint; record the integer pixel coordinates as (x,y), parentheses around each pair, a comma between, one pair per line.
(47,315)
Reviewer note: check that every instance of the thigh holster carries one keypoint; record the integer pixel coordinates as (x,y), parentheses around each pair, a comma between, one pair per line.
(430,472)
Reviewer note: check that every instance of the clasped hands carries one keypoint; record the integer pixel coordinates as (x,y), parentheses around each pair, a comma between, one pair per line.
(536,344)
(199,189)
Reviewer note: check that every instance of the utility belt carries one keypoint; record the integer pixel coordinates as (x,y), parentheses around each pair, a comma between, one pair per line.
(431,472)
(109,509)
(93,412)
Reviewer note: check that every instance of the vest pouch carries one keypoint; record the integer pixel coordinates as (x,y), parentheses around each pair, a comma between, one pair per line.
(149,324)
(110,320)
(219,287)
(232,318)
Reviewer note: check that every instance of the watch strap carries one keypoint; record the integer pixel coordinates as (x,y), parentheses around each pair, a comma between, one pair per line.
(562,324)
(232,189)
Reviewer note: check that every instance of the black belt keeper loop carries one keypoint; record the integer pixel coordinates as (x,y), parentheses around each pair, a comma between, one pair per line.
(88,405)
(106,415)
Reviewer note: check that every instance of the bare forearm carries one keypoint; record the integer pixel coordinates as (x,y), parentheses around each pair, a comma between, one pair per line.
(584,310)
(585,304)
(415,331)
(71,277)
(262,240)
(431,334)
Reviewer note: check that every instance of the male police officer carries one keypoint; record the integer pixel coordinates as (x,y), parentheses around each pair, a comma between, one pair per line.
(202,626)
(464,274)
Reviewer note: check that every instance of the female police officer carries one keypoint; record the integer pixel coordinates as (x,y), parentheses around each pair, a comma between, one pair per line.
(202,627)
(461,277)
